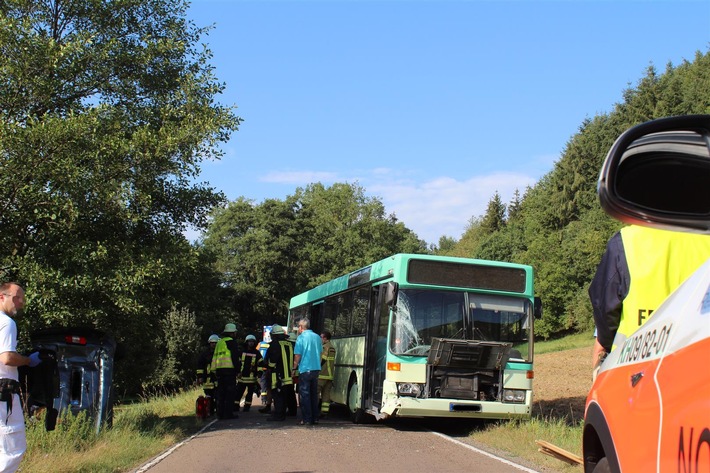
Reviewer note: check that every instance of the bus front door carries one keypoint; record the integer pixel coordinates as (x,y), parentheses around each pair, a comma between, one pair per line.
(376,354)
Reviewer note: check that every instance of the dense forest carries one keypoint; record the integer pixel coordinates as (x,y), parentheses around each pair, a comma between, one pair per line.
(108,110)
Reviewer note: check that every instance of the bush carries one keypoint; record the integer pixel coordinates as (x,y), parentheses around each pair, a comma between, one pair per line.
(180,339)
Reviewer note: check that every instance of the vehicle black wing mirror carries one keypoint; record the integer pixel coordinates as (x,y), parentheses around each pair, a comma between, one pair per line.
(391,294)
(657,174)
(537,308)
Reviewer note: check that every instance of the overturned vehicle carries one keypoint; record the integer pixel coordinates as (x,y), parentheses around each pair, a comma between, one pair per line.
(75,375)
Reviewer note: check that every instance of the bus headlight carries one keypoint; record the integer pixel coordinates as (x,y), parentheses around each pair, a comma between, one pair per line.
(514,395)
(409,389)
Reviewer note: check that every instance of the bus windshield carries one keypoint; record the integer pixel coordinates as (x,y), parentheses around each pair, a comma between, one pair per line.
(422,315)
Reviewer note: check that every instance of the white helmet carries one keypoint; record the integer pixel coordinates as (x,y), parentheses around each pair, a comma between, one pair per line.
(214,338)
(250,337)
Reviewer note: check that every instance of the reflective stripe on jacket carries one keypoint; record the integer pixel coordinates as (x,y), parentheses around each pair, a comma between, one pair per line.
(327,363)
(249,367)
(280,355)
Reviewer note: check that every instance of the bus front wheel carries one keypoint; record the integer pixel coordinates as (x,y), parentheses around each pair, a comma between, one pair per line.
(357,414)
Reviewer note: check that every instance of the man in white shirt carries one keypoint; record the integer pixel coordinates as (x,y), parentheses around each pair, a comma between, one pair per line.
(12,423)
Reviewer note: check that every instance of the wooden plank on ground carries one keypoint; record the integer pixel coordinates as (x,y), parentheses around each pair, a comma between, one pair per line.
(561,454)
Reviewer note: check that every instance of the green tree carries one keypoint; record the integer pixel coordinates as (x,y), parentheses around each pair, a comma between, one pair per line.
(176,365)
(348,230)
(271,251)
(494,218)
(107,109)
(514,206)
(446,245)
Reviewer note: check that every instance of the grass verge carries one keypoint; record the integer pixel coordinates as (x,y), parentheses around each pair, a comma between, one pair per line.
(517,438)
(140,431)
(569,342)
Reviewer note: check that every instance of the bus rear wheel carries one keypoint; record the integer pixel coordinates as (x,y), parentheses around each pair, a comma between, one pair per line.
(357,414)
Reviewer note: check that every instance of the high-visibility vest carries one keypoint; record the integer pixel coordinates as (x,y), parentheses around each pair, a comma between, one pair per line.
(286,353)
(248,367)
(327,365)
(659,261)
(222,357)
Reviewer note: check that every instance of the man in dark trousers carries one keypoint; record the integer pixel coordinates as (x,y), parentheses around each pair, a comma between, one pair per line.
(247,378)
(206,377)
(226,364)
(279,359)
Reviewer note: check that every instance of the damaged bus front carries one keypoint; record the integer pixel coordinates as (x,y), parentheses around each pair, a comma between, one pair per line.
(459,354)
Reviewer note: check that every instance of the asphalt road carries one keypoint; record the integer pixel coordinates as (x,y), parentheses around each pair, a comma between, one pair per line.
(251,444)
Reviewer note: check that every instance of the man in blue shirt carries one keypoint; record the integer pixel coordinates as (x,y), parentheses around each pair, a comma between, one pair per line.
(306,364)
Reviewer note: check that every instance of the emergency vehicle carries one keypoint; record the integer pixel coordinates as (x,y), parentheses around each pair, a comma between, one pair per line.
(649,407)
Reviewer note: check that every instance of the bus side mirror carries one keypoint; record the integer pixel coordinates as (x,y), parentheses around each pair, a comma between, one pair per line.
(537,308)
(391,294)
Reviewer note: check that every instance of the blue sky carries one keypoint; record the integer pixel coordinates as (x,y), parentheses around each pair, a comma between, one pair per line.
(431,106)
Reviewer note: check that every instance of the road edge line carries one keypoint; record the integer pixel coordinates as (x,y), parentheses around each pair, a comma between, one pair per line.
(163,455)
(483,452)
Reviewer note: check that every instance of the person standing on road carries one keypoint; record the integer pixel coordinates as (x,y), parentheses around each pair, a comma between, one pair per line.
(205,376)
(279,357)
(292,391)
(13,442)
(246,380)
(306,362)
(327,369)
(639,269)
(226,364)
(264,383)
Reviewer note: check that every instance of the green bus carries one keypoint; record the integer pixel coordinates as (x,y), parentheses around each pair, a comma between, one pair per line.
(428,336)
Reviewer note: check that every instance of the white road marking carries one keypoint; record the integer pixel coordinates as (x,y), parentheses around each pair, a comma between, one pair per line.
(483,452)
(163,455)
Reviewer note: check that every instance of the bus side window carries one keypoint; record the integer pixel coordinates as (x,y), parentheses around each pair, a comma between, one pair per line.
(359,313)
(330,308)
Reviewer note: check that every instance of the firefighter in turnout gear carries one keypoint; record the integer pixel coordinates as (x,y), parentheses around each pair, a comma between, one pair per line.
(205,376)
(247,378)
(327,369)
(226,364)
(279,359)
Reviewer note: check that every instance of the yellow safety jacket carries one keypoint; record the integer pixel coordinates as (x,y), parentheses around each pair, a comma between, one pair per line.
(327,362)
(659,261)
(222,357)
